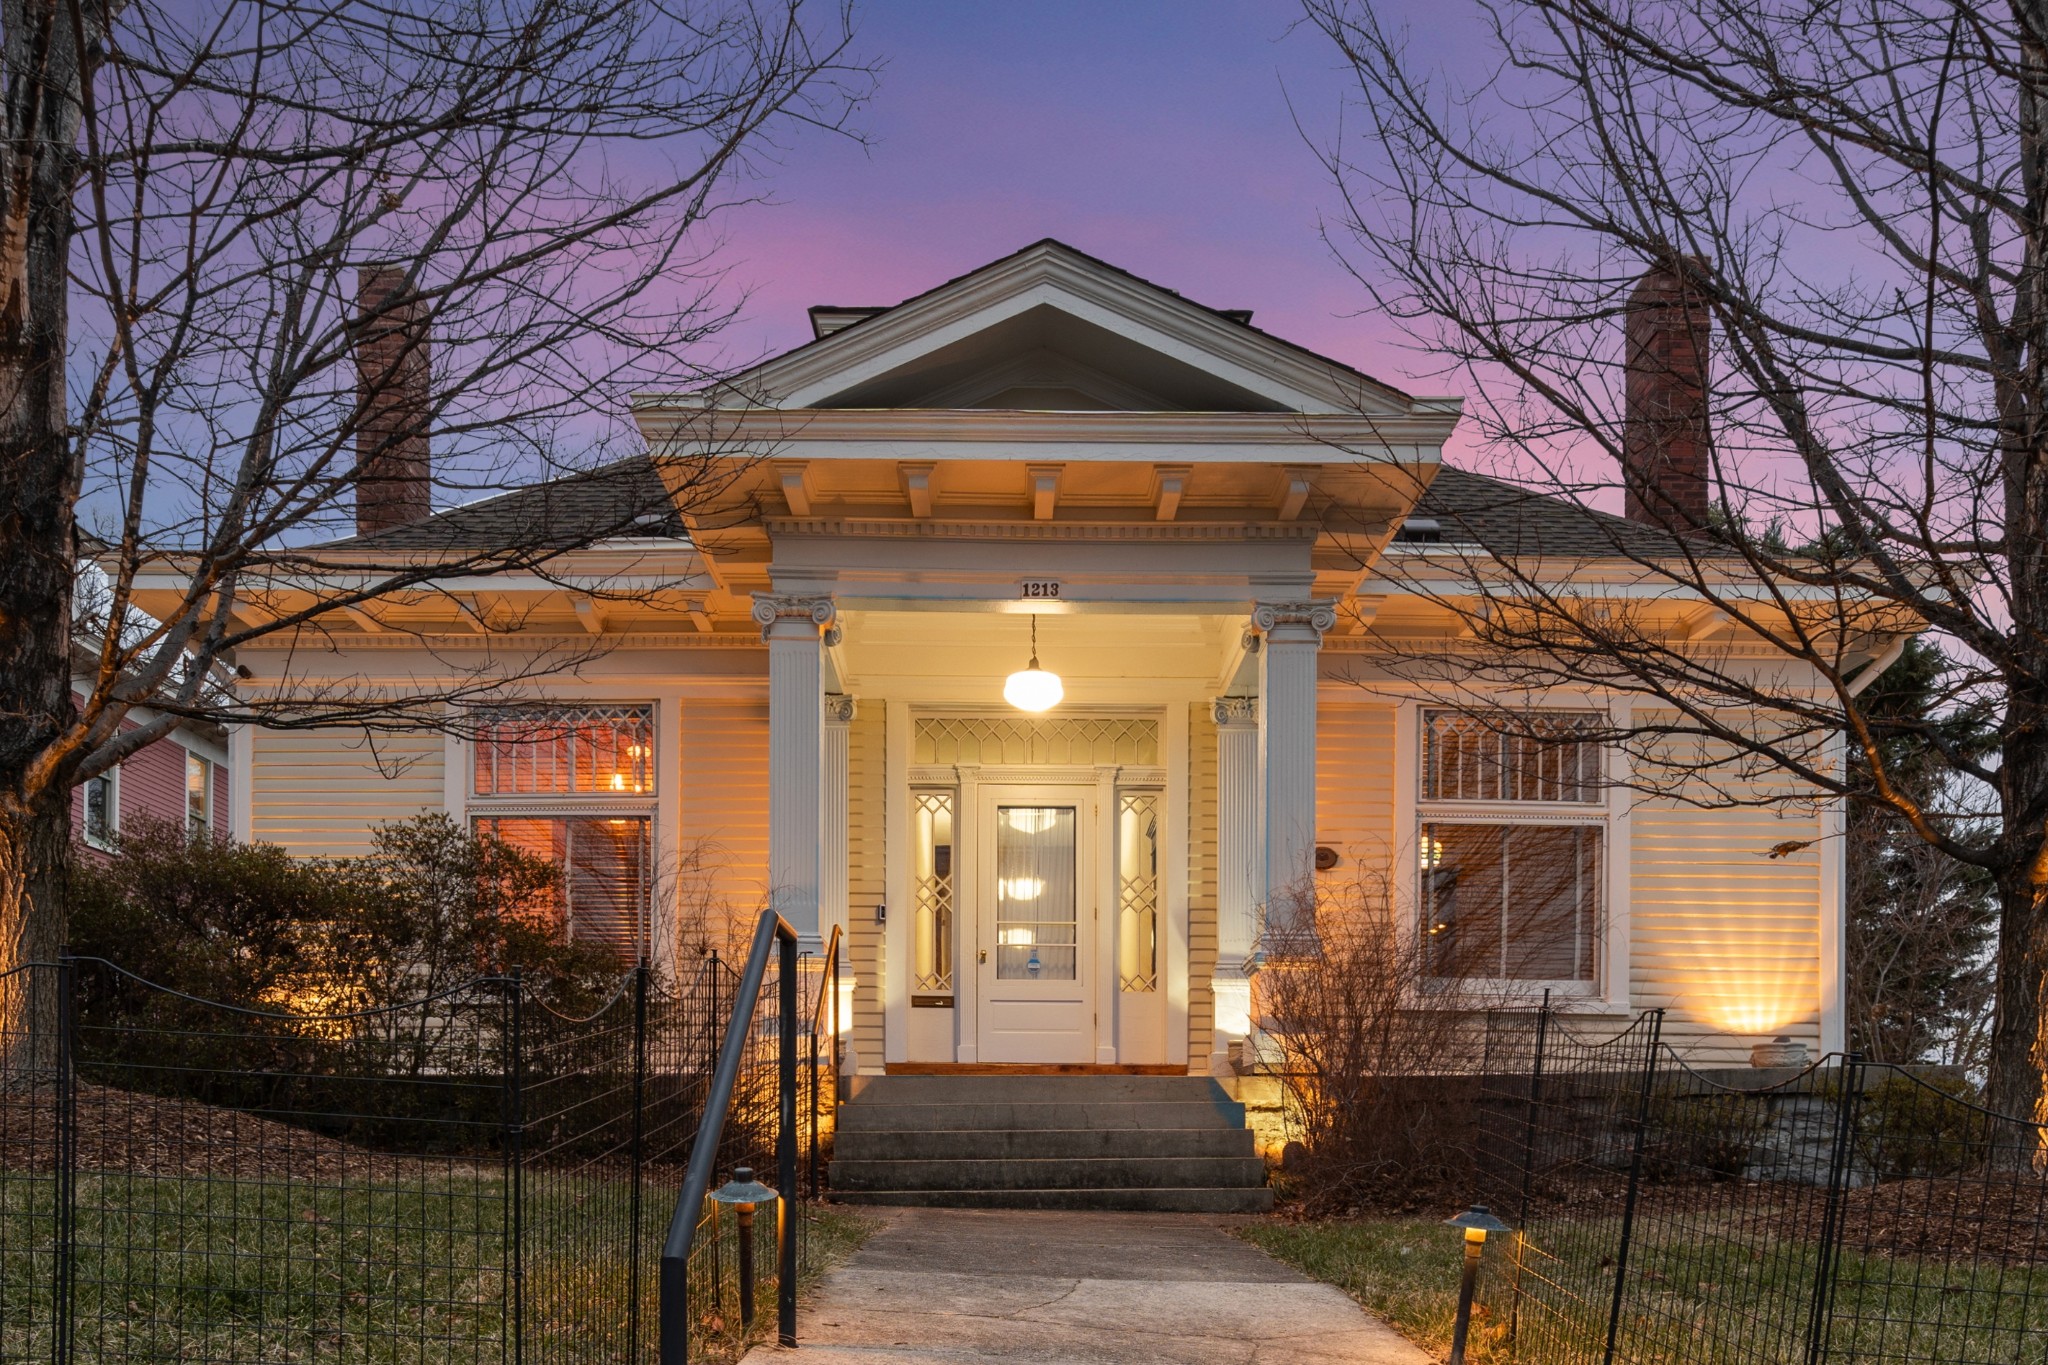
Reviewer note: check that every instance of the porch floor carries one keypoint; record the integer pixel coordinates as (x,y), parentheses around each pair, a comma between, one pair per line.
(966,1285)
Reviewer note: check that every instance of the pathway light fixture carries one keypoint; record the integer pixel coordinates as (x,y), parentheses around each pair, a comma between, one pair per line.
(1476,1221)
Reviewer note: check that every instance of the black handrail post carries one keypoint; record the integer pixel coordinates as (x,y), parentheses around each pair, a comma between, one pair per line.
(1635,1180)
(785,1148)
(697,1175)
(812,1159)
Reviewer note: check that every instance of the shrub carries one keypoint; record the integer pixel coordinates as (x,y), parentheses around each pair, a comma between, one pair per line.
(1376,1061)
(1907,1127)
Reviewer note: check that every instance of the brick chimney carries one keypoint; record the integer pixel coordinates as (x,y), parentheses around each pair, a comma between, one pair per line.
(1666,442)
(394,479)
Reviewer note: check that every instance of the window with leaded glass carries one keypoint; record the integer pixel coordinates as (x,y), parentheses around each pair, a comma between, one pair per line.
(1137,883)
(931,890)
(595,750)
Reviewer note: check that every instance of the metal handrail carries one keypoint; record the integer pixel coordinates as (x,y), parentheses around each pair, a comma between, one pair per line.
(771,933)
(828,988)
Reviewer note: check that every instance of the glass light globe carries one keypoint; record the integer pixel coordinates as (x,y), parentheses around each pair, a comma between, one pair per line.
(1033,689)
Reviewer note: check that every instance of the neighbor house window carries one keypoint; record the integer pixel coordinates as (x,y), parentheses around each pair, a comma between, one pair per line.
(1512,840)
(573,785)
(103,809)
(198,794)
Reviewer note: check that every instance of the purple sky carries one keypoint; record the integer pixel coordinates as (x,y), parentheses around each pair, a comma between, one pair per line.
(1153,133)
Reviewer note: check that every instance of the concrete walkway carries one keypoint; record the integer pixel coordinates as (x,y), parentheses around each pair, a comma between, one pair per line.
(959,1285)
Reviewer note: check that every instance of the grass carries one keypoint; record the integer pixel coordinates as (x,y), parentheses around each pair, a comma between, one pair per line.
(414,1269)
(1703,1299)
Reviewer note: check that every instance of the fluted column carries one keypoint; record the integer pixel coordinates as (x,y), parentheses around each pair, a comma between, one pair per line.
(1240,869)
(1293,634)
(794,628)
(839,712)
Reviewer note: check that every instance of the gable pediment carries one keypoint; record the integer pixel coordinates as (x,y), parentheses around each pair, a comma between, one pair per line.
(1052,329)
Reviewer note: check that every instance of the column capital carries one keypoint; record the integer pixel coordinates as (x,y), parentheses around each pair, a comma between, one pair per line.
(840,708)
(777,614)
(1235,711)
(1317,615)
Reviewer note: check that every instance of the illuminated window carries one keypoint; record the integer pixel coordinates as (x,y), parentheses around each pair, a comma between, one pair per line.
(1544,756)
(198,794)
(103,809)
(565,751)
(931,890)
(603,861)
(1511,838)
(1137,879)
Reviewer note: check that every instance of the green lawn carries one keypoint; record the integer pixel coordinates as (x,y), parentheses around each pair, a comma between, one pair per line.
(412,1270)
(1702,1300)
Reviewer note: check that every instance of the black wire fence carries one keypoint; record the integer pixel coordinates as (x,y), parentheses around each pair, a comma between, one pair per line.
(469,1177)
(1844,1211)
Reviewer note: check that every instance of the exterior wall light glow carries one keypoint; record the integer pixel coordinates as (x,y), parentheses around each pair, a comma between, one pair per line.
(1033,688)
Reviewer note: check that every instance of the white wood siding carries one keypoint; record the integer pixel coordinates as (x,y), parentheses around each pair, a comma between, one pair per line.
(1202,941)
(321,793)
(866,881)
(723,816)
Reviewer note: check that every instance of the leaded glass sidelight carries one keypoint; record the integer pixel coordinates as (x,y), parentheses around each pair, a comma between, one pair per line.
(1137,886)
(931,837)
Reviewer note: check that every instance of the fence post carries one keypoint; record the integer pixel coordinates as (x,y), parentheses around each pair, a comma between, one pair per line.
(1655,1019)
(515,1155)
(638,1157)
(785,1148)
(1528,1164)
(64,1277)
(1827,1256)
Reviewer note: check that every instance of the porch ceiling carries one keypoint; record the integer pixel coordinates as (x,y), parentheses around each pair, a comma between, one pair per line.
(962,657)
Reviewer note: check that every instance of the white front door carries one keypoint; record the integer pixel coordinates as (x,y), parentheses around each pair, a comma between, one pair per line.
(1036,924)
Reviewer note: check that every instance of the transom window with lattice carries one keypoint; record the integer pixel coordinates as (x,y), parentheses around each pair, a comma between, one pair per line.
(599,750)
(1066,740)
(1544,756)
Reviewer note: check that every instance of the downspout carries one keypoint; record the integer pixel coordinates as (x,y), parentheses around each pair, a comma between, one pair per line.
(1870,672)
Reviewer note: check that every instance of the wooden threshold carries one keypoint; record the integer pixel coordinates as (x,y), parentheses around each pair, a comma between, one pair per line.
(1030,1069)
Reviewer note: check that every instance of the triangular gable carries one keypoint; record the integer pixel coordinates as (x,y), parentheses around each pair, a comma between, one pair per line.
(1054,327)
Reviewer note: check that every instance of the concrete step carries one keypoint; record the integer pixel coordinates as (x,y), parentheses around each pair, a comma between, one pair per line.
(1171,1199)
(1087,1173)
(1037,1144)
(971,1089)
(874,1116)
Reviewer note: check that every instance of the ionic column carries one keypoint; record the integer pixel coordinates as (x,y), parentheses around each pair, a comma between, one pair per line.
(794,628)
(1293,634)
(839,711)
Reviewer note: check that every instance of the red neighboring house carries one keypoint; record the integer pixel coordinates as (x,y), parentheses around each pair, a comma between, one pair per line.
(182,778)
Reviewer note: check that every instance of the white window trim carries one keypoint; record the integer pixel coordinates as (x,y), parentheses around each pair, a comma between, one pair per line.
(1608,992)
(107,842)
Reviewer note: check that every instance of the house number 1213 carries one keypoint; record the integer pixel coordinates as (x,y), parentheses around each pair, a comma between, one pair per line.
(1039,587)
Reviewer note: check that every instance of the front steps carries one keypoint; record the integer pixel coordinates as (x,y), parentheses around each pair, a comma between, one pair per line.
(1167,1144)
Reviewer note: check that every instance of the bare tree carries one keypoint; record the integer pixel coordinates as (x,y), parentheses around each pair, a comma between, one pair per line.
(252,254)
(1828,224)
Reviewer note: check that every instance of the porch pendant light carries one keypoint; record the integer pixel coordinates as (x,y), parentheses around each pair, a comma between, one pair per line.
(1033,688)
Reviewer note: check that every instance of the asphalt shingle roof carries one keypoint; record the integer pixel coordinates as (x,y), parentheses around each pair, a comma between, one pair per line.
(626,497)
(1512,521)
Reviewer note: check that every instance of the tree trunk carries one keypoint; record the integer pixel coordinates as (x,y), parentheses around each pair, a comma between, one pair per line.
(35,843)
(2019,1040)
(41,467)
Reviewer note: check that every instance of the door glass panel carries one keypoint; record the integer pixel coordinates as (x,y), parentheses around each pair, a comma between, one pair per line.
(1036,928)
